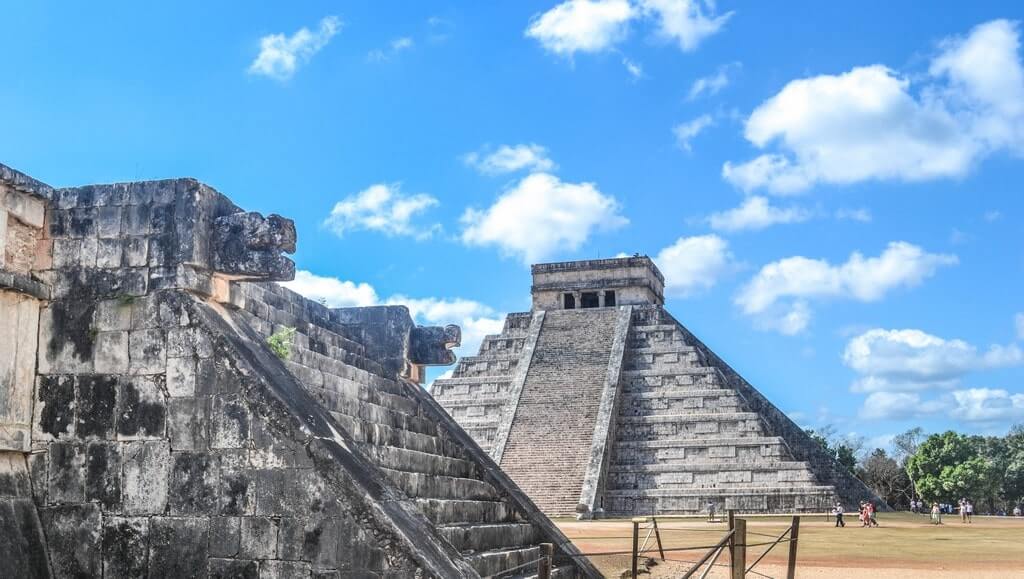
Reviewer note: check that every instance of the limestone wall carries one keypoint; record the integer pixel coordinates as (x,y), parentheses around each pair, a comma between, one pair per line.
(151,430)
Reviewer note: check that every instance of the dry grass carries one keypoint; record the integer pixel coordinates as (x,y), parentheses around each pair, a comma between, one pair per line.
(904,546)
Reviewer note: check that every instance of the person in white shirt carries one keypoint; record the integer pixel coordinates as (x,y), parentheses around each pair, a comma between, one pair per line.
(838,512)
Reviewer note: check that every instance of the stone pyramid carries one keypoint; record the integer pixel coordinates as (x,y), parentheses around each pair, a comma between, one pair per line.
(167,410)
(599,402)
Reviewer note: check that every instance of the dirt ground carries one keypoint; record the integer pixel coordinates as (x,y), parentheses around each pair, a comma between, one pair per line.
(902,547)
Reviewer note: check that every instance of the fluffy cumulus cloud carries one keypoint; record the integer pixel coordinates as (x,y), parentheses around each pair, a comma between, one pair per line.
(331,291)
(871,124)
(913,360)
(686,132)
(510,158)
(280,55)
(582,26)
(755,213)
(986,406)
(782,289)
(687,22)
(476,319)
(694,264)
(711,85)
(382,208)
(540,215)
(599,25)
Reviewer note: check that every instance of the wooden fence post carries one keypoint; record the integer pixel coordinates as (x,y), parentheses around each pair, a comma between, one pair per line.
(739,549)
(732,539)
(636,546)
(657,535)
(794,534)
(544,566)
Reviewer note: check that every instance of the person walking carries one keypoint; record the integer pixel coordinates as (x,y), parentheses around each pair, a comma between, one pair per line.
(711,511)
(838,512)
(872,521)
(936,514)
(970,511)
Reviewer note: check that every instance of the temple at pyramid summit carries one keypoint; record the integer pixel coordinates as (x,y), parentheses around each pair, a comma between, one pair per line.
(598,402)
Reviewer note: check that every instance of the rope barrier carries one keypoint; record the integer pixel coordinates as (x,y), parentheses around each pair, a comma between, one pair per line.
(652,550)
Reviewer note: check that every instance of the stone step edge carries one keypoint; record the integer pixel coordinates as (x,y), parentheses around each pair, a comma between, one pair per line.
(696,417)
(684,443)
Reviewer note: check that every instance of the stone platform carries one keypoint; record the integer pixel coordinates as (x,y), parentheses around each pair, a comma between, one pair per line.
(616,409)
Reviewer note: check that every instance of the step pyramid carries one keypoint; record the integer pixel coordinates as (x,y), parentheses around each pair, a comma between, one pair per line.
(598,401)
(168,410)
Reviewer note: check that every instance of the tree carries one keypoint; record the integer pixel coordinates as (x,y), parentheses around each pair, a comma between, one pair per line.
(887,478)
(905,446)
(844,450)
(948,466)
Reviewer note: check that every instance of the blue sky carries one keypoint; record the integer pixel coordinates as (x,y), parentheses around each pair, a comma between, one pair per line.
(832,189)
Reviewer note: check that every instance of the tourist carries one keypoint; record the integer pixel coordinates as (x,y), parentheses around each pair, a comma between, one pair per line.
(970,510)
(936,514)
(1016,511)
(711,511)
(838,512)
(870,508)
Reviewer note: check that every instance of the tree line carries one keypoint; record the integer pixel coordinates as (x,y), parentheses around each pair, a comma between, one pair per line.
(942,467)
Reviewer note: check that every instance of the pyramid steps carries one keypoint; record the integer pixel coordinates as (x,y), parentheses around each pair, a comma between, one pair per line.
(412,451)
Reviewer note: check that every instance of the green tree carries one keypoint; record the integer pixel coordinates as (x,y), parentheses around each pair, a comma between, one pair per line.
(948,466)
(905,446)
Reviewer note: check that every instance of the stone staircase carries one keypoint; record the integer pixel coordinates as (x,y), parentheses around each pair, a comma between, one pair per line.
(396,430)
(479,387)
(686,438)
(550,440)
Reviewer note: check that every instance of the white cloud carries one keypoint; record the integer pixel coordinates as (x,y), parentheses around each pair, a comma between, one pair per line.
(582,26)
(540,215)
(979,405)
(280,56)
(799,279)
(508,159)
(685,132)
(685,21)
(1019,322)
(394,47)
(910,360)
(476,319)
(861,214)
(711,85)
(987,405)
(992,215)
(756,213)
(331,291)
(694,264)
(867,124)
(634,68)
(382,208)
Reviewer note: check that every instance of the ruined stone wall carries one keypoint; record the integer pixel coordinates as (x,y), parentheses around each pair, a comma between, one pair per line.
(151,431)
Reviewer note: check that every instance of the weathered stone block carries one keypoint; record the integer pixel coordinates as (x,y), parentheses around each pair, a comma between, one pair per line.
(181,377)
(125,546)
(96,397)
(54,408)
(108,253)
(111,353)
(103,475)
(234,569)
(134,252)
(147,351)
(145,473)
(187,421)
(108,222)
(178,547)
(229,422)
(225,534)
(258,538)
(193,485)
(142,408)
(285,570)
(72,534)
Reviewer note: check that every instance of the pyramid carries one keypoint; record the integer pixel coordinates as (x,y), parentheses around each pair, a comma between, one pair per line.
(598,402)
(168,410)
